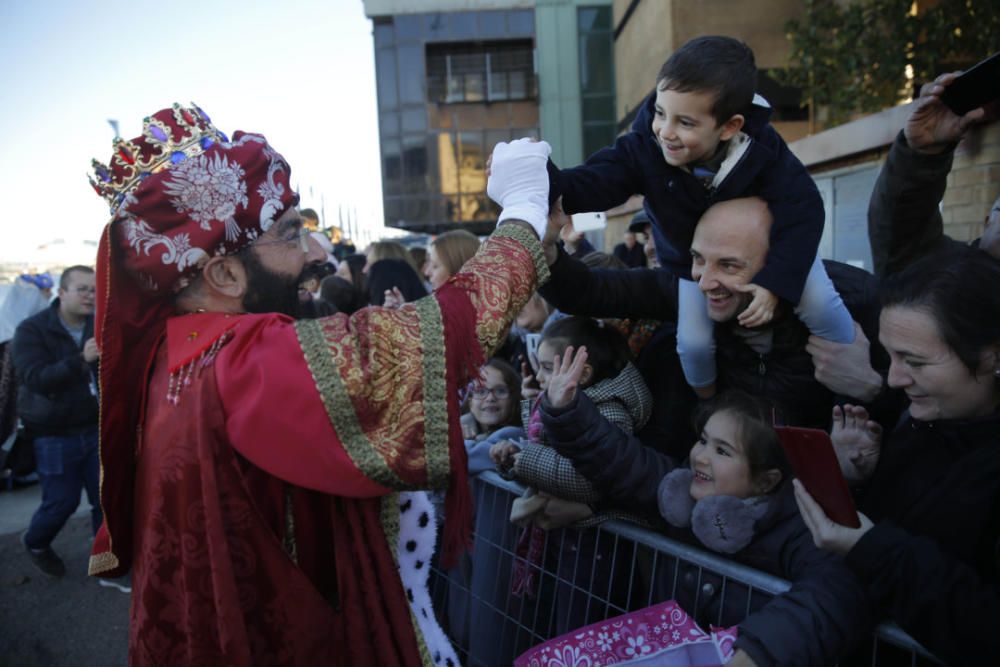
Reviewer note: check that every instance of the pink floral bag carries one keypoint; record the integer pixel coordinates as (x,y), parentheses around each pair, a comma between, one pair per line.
(662,635)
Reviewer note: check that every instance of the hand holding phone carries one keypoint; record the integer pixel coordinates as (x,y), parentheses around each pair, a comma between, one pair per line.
(975,87)
(811,454)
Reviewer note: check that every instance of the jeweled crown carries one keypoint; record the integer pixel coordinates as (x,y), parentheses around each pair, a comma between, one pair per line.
(168,137)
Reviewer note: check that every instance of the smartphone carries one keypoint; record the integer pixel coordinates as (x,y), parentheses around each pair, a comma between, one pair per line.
(531,342)
(589,222)
(974,87)
(811,454)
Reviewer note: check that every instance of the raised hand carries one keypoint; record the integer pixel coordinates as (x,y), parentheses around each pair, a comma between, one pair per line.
(565,378)
(393,298)
(857,441)
(932,127)
(761,308)
(519,182)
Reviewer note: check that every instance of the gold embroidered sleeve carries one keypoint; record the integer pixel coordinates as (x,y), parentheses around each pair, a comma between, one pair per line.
(381,376)
(500,279)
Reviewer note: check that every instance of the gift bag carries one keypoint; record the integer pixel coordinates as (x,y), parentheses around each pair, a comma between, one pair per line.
(662,635)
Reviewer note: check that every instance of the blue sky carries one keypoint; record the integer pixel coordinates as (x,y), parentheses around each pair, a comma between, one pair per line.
(299,72)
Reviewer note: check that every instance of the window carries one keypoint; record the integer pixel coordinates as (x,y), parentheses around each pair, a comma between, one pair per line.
(481,72)
(597,86)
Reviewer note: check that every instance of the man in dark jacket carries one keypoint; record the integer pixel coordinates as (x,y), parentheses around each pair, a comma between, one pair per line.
(730,244)
(55,358)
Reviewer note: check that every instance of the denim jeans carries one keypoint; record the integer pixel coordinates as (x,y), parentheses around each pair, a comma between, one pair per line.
(66,464)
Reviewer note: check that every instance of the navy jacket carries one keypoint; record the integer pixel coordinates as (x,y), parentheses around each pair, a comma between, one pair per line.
(54,383)
(675,199)
(822,615)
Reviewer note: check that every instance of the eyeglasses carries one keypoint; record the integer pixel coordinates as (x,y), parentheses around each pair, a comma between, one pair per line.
(300,235)
(499,392)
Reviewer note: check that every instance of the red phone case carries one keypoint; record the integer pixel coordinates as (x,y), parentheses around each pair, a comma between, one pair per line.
(811,454)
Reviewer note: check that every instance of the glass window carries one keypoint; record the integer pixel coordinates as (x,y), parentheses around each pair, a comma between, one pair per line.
(408,27)
(596,137)
(463,25)
(492,24)
(411,74)
(388,124)
(383,34)
(596,65)
(599,108)
(473,72)
(590,19)
(414,120)
(521,23)
(392,167)
(436,26)
(385,65)
(414,165)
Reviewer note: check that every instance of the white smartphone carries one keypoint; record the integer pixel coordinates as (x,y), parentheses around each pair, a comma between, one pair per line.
(589,222)
(531,341)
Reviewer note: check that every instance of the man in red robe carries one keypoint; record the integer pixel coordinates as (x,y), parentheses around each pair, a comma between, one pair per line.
(251,462)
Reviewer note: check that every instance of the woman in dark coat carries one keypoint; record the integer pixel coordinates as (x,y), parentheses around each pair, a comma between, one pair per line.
(928,549)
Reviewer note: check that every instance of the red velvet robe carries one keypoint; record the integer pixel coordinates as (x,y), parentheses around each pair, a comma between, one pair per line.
(261,528)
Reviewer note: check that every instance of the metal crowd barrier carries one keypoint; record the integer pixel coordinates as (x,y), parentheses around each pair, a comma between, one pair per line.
(593,574)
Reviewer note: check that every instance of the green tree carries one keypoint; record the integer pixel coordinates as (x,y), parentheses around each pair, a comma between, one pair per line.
(866,55)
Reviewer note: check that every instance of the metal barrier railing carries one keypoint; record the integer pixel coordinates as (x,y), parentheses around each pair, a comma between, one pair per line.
(589,575)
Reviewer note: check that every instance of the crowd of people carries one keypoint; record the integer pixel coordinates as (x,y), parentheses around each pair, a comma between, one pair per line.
(270,414)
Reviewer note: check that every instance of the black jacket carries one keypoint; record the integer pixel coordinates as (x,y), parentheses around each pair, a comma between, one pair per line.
(904,221)
(784,376)
(675,199)
(54,383)
(932,560)
(823,614)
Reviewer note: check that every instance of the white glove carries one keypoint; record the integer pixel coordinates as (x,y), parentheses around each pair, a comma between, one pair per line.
(519,182)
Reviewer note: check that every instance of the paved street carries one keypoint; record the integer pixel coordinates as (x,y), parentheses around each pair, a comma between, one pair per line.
(51,622)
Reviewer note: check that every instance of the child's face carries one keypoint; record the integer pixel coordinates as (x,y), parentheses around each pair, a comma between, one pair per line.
(435,272)
(685,128)
(490,400)
(719,462)
(546,362)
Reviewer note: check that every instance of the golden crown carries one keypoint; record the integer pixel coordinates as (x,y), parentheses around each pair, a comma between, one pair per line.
(168,137)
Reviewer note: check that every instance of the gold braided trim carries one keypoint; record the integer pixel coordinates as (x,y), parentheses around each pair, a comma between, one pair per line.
(339,407)
(531,244)
(102,562)
(389,516)
(435,392)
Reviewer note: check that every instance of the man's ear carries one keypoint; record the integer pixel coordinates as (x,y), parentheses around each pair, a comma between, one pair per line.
(768,480)
(731,127)
(588,372)
(225,276)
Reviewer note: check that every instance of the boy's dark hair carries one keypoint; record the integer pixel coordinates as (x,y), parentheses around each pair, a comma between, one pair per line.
(755,429)
(721,65)
(78,268)
(607,349)
(308,213)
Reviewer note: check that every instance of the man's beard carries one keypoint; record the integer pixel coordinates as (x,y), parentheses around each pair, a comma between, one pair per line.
(269,291)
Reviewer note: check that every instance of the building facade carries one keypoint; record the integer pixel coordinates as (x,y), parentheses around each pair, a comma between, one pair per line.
(455,77)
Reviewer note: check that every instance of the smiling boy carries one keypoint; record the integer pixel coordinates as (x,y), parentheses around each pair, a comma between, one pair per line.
(700,138)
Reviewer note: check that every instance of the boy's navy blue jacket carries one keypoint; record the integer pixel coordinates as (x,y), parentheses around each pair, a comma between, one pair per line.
(675,199)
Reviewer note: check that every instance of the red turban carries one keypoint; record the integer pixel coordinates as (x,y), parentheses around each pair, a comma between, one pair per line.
(180,193)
